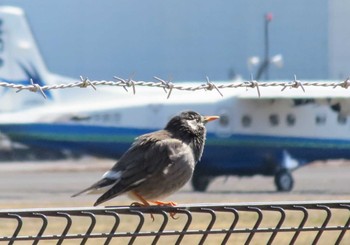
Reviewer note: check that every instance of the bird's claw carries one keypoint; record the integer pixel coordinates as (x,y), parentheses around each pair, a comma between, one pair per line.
(172,215)
(169,204)
(138,204)
(160,203)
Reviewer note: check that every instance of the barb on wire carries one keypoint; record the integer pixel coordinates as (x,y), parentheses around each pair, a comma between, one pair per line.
(211,86)
(33,88)
(297,83)
(131,83)
(126,83)
(166,85)
(254,84)
(345,84)
(122,81)
(85,82)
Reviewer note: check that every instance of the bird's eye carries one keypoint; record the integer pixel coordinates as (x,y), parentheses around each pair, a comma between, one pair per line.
(195,119)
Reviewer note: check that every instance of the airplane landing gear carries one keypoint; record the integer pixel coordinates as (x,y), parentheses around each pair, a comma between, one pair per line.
(200,182)
(284,180)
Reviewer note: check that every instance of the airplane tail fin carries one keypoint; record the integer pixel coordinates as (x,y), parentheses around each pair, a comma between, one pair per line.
(20,61)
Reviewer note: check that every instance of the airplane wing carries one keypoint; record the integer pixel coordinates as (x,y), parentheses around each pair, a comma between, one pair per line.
(338,98)
(323,89)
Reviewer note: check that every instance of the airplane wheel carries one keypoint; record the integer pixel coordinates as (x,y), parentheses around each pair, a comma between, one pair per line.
(200,182)
(284,180)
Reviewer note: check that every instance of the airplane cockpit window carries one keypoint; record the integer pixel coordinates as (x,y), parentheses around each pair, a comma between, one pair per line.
(274,119)
(224,120)
(106,117)
(290,119)
(342,119)
(246,121)
(320,119)
(117,117)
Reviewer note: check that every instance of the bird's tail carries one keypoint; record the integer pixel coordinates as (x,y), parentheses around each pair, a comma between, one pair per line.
(83,191)
(111,193)
(98,187)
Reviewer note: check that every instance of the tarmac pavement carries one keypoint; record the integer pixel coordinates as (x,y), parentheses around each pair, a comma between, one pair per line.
(51,184)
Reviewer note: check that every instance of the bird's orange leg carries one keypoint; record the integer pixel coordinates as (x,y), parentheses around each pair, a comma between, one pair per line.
(170,204)
(143,203)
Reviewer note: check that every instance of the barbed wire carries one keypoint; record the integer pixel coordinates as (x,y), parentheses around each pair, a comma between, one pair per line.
(169,86)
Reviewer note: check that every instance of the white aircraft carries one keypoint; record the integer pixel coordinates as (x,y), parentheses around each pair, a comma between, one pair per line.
(271,135)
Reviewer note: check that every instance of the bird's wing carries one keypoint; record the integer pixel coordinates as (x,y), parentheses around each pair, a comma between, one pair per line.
(127,168)
(148,156)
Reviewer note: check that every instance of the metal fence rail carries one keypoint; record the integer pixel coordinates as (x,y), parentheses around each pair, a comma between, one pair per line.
(248,223)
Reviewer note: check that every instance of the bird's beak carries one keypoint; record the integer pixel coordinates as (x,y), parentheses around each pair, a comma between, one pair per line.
(209,118)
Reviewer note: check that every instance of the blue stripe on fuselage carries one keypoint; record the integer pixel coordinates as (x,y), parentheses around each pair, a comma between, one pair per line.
(244,154)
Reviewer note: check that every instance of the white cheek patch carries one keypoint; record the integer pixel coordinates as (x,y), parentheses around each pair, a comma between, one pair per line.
(112,175)
(193,124)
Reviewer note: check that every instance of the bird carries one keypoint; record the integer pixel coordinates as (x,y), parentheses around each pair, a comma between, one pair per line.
(157,164)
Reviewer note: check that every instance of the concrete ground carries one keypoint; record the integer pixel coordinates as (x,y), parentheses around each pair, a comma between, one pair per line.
(50,184)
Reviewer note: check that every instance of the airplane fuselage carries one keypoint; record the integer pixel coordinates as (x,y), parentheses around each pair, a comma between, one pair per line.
(251,137)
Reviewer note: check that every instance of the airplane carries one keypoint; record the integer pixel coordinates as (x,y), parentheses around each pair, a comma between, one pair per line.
(270,135)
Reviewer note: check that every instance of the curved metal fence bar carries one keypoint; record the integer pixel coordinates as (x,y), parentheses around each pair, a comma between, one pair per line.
(43,227)
(246,223)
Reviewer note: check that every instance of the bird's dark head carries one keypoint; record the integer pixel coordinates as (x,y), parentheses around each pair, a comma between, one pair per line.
(189,127)
(189,123)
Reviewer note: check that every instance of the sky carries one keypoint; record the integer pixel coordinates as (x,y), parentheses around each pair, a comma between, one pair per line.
(178,40)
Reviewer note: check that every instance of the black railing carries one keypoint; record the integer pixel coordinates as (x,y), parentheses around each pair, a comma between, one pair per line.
(262,223)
